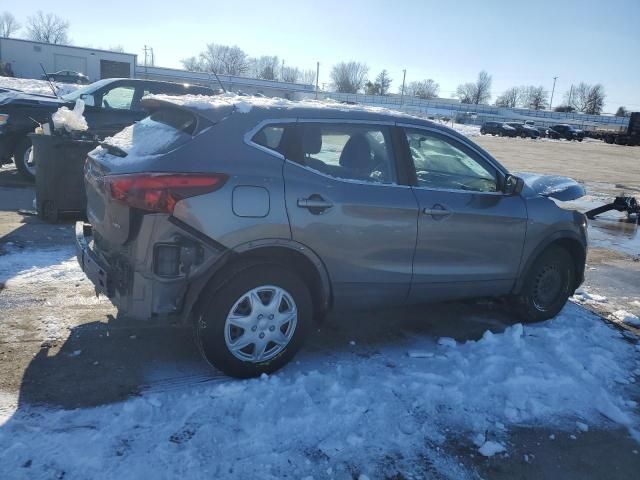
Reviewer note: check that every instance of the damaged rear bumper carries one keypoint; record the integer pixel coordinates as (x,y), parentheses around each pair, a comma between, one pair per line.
(144,287)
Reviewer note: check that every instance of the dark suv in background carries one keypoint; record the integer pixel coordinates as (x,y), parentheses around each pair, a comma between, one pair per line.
(110,105)
(565,131)
(497,128)
(525,131)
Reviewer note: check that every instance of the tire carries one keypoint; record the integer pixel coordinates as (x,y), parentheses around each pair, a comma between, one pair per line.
(547,286)
(21,159)
(215,332)
(523,135)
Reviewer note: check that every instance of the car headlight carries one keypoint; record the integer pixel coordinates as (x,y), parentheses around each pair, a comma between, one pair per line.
(4,118)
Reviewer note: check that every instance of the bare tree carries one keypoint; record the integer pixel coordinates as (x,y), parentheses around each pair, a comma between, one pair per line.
(478,92)
(47,28)
(383,80)
(8,24)
(349,77)
(586,98)
(425,89)
(621,112)
(564,108)
(534,97)
(192,64)
(266,67)
(224,59)
(290,74)
(509,98)
(308,77)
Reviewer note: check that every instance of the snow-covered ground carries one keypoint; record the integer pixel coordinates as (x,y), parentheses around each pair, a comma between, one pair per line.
(333,415)
(41,87)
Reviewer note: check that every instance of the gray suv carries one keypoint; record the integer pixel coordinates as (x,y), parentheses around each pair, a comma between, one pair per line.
(251,218)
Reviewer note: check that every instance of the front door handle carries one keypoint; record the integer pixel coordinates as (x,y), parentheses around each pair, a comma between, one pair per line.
(437,211)
(315,204)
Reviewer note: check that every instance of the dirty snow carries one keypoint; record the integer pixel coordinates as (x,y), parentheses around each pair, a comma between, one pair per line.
(39,87)
(70,120)
(339,410)
(626,317)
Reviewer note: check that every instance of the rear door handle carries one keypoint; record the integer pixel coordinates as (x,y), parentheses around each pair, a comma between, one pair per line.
(315,204)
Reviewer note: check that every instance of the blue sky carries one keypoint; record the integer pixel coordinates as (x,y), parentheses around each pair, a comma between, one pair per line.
(516,42)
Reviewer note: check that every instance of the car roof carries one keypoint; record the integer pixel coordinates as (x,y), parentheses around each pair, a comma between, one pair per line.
(269,108)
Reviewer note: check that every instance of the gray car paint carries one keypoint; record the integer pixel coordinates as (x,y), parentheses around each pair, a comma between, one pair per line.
(363,246)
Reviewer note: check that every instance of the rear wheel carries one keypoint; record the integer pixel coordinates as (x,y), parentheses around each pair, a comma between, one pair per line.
(548,285)
(23,159)
(255,322)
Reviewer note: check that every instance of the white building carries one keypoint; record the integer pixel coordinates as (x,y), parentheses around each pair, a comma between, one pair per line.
(25,57)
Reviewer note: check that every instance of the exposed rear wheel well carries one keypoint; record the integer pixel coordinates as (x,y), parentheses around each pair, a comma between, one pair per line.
(289,258)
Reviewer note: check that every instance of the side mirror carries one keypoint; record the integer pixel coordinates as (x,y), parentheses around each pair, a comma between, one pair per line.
(512,185)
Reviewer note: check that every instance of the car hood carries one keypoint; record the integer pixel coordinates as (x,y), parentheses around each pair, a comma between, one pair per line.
(554,186)
(16,97)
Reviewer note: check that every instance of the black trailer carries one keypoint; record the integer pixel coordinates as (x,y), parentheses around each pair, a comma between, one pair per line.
(631,137)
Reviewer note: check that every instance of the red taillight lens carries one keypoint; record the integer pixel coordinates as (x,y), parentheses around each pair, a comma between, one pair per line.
(159,192)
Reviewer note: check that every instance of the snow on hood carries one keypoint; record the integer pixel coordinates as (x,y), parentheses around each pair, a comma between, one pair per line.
(554,186)
(34,87)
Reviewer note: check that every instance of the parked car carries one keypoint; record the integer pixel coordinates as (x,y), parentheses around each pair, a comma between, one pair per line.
(523,130)
(67,76)
(497,128)
(111,105)
(566,131)
(543,132)
(252,221)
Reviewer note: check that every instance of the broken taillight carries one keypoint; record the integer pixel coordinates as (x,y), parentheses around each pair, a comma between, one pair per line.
(159,192)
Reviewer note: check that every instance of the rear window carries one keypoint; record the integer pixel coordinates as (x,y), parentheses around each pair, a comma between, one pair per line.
(164,130)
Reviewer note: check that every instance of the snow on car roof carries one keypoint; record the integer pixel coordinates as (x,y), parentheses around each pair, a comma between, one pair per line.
(245,104)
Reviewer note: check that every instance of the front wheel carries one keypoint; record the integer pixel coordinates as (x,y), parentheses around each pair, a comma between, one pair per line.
(549,283)
(255,322)
(24,160)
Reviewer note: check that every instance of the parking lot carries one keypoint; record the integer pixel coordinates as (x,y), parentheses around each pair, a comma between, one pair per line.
(68,367)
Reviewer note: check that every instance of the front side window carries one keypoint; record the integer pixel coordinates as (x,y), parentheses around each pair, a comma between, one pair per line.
(119,98)
(347,151)
(444,164)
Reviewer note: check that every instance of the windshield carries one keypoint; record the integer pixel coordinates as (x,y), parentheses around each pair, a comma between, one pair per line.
(88,89)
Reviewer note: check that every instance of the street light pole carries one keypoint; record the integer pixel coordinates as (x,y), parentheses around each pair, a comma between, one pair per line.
(404,76)
(552,91)
(317,77)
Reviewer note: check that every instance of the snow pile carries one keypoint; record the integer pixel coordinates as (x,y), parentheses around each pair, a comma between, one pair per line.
(625,317)
(29,266)
(586,298)
(467,130)
(352,414)
(38,87)
(142,139)
(70,119)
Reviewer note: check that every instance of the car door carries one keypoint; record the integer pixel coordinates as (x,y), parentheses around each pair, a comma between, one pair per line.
(114,107)
(345,202)
(470,234)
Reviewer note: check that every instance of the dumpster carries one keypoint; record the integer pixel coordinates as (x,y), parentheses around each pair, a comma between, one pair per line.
(60,175)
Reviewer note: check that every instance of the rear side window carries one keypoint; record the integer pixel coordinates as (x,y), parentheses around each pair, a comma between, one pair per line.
(270,137)
(347,151)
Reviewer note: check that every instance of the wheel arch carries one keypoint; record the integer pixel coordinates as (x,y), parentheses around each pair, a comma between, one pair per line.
(289,253)
(568,240)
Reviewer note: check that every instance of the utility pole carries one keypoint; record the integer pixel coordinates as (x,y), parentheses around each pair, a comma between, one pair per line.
(404,76)
(552,90)
(145,62)
(282,71)
(317,77)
